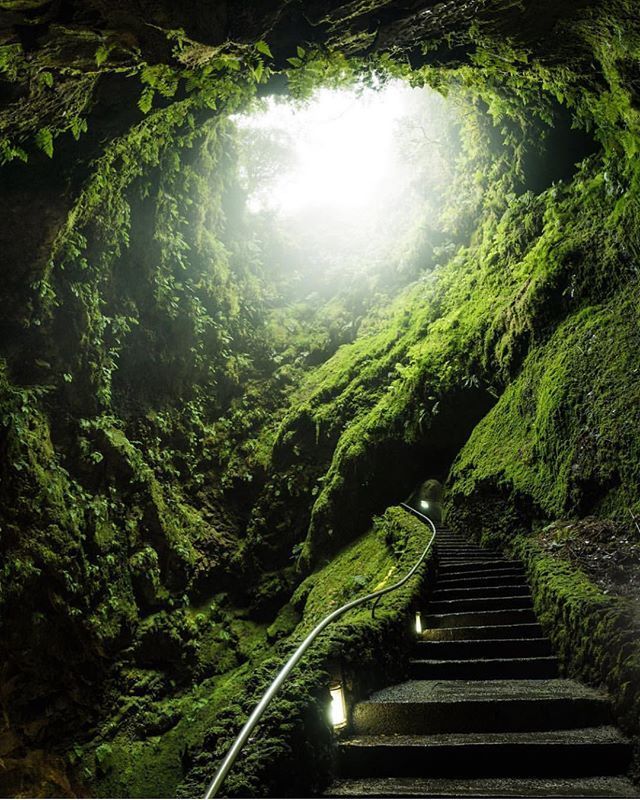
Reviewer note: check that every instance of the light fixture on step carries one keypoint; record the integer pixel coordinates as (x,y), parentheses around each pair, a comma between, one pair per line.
(418,622)
(338,709)
(424,505)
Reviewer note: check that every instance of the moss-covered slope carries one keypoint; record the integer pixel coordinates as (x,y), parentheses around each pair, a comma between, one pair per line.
(166,739)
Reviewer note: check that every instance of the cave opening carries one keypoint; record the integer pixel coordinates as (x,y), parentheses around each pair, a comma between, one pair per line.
(267,268)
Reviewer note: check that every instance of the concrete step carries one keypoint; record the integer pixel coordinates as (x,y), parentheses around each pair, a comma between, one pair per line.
(484,648)
(608,786)
(484,566)
(531,668)
(464,592)
(493,577)
(487,632)
(459,706)
(547,753)
(505,616)
(487,603)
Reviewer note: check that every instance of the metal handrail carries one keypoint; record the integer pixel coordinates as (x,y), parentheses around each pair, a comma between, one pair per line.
(281,677)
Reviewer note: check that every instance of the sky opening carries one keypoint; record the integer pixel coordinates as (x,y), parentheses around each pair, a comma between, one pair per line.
(351,170)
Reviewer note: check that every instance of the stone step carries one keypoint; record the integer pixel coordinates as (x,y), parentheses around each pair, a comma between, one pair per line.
(459,706)
(451,557)
(545,753)
(484,566)
(614,786)
(486,632)
(488,603)
(534,667)
(453,542)
(463,558)
(464,592)
(484,648)
(457,545)
(505,616)
(467,555)
(494,577)
(478,570)
(465,544)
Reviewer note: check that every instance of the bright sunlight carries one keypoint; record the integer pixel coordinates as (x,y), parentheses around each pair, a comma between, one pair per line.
(342,147)
(349,171)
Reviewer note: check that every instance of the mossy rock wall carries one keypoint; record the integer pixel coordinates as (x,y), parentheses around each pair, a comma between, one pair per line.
(168,745)
(594,633)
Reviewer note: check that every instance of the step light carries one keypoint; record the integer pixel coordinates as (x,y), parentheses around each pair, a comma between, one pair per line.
(424,505)
(418,622)
(338,709)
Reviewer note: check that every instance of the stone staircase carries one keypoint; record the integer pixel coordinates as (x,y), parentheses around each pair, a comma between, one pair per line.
(485,713)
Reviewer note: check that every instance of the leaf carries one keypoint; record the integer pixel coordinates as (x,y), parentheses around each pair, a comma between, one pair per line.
(78,126)
(210,101)
(44,140)
(258,71)
(301,51)
(9,151)
(162,78)
(228,62)
(47,78)
(146,100)
(263,47)
(102,54)
(295,62)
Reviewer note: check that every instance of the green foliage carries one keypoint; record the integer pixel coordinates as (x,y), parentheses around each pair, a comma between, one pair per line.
(202,719)
(263,47)
(11,63)
(180,423)
(102,54)
(46,78)
(44,140)
(561,256)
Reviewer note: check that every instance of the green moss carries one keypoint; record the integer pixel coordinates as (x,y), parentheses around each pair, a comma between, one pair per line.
(564,432)
(594,634)
(542,304)
(190,427)
(150,758)
(284,624)
(177,741)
